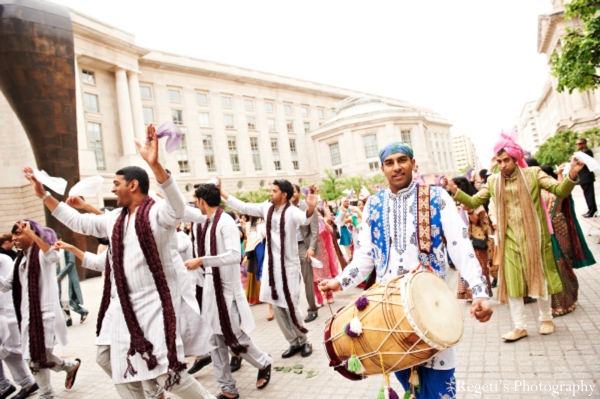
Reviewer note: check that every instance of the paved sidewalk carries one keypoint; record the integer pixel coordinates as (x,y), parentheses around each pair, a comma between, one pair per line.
(570,356)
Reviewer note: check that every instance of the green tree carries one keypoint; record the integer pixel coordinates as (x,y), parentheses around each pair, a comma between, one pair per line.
(254,196)
(558,148)
(330,187)
(576,63)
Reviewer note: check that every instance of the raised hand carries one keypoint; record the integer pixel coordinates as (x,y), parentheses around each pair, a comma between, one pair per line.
(149,149)
(62,245)
(313,196)
(451,186)
(38,188)
(576,166)
(24,227)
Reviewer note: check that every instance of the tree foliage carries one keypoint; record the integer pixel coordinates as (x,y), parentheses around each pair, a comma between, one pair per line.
(332,187)
(575,64)
(559,148)
(254,196)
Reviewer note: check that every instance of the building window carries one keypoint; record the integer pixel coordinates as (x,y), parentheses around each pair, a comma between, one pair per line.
(88,77)
(175,96)
(255,153)
(201,99)
(251,123)
(287,108)
(229,122)
(95,137)
(148,115)
(177,116)
(406,137)
(294,152)
(271,123)
(334,149)
(370,142)
(145,92)
(249,104)
(304,111)
(209,154)
(204,119)
(269,107)
(374,166)
(275,151)
(306,127)
(233,154)
(182,156)
(320,113)
(226,101)
(91,102)
(337,172)
(290,126)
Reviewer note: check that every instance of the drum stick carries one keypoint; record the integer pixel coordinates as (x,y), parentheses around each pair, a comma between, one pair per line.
(325,297)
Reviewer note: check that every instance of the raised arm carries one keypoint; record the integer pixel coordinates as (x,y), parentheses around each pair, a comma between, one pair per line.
(562,189)
(172,210)
(256,210)
(193,215)
(6,273)
(70,263)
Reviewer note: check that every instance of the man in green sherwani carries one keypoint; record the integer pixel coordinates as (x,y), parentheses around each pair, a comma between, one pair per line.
(527,264)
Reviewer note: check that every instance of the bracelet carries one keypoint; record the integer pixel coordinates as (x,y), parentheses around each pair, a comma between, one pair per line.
(48,194)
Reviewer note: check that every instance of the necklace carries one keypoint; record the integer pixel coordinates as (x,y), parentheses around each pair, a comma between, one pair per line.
(400,204)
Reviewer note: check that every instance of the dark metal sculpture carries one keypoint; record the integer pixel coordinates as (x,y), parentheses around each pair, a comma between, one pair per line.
(37,77)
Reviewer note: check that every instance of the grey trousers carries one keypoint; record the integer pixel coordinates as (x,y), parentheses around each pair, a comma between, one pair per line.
(188,388)
(42,377)
(18,370)
(294,336)
(220,355)
(307,276)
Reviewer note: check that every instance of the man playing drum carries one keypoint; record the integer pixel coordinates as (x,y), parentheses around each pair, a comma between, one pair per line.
(389,242)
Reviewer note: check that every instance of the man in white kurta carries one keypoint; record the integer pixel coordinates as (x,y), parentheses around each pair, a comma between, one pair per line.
(294,218)
(131,186)
(393,215)
(10,340)
(228,261)
(55,329)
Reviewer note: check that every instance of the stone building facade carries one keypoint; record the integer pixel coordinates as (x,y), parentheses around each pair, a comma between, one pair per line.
(246,126)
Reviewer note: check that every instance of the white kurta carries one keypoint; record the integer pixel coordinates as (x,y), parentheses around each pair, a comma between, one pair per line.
(294,218)
(10,338)
(164,217)
(55,329)
(228,261)
(194,216)
(184,246)
(195,330)
(459,247)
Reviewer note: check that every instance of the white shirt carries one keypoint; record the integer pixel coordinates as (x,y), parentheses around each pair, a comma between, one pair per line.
(10,338)
(294,218)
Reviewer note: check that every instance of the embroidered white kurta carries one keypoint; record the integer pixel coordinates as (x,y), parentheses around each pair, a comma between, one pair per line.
(55,329)
(294,218)
(164,217)
(228,261)
(10,338)
(404,238)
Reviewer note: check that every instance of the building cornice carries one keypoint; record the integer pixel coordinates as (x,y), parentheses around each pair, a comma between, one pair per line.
(90,34)
(545,31)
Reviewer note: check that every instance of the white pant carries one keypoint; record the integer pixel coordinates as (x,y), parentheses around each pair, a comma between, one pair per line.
(42,377)
(517,311)
(19,372)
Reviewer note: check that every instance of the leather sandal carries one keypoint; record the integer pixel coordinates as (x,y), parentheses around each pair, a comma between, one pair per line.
(235,363)
(547,329)
(264,374)
(71,375)
(512,336)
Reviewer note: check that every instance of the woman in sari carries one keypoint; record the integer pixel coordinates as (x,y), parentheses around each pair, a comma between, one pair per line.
(327,257)
(569,247)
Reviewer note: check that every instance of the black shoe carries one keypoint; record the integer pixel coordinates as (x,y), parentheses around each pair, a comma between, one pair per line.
(235,363)
(311,317)
(25,393)
(199,364)
(494,283)
(221,396)
(69,322)
(11,389)
(306,350)
(292,350)
(587,215)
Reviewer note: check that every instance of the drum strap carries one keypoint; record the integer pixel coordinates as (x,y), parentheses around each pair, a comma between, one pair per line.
(424,222)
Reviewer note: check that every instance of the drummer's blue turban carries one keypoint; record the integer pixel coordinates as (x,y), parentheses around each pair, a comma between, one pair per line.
(395,148)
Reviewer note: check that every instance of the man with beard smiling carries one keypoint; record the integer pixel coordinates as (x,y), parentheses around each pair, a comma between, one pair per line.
(389,243)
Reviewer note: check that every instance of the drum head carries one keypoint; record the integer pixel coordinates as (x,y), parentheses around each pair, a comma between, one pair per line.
(435,311)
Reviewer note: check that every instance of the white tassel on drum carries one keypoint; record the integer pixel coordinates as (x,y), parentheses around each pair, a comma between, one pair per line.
(356,326)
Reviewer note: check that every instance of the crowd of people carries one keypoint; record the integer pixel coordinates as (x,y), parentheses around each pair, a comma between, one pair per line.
(180,278)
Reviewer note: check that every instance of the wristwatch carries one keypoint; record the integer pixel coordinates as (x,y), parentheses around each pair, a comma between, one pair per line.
(48,194)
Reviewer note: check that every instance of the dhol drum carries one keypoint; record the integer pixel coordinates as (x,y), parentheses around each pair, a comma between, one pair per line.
(404,323)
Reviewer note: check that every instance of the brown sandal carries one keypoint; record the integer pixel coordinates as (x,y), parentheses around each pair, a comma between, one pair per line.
(264,374)
(71,375)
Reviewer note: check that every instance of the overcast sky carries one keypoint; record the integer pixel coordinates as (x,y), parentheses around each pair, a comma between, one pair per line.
(474,62)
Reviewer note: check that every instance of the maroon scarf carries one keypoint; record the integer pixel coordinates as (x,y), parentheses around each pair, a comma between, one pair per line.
(37,339)
(139,344)
(230,338)
(286,290)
